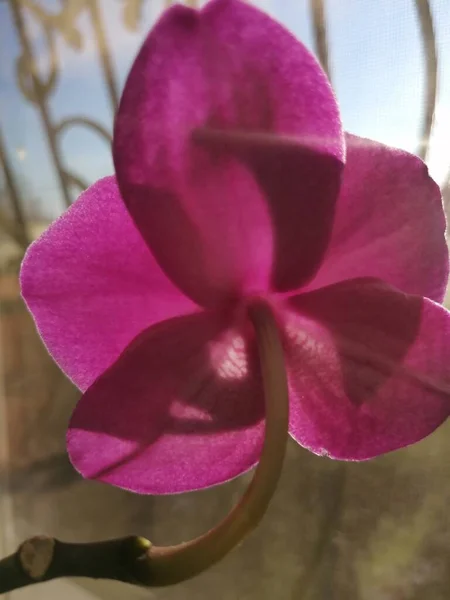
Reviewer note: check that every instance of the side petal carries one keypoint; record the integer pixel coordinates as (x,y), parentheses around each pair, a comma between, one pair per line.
(92,284)
(369,368)
(182,409)
(205,201)
(389,222)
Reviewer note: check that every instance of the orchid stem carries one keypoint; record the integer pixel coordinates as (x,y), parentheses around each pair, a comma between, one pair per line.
(134,559)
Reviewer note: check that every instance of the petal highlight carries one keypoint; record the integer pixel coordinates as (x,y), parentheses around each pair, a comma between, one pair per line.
(207,211)
(92,284)
(368,368)
(389,223)
(182,409)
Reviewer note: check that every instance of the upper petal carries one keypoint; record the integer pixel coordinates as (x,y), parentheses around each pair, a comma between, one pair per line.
(369,368)
(220,214)
(389,222)
(181,409)
(92,284)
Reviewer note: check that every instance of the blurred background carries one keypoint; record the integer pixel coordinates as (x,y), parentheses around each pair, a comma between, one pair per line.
(378,530)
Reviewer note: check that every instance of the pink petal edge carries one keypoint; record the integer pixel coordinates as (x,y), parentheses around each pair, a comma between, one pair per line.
(368,368)
(389,223)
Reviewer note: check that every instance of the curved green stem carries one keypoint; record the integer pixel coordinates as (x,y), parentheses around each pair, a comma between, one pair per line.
(169,565)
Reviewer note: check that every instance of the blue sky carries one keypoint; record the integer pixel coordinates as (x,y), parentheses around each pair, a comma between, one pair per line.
(377,72)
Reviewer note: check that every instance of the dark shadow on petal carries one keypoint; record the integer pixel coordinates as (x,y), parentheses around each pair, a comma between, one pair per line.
(372,330)
(300,185)
(105,471)
(166,384)
(308,184)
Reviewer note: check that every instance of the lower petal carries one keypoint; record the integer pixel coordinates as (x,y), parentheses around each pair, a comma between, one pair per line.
(368,367)
(182,409)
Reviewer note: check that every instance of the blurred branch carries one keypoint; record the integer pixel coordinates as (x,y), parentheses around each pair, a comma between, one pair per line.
(72,179)
(191,3)
(104,54)
(320,34)
(64,21)
(132,14)
(85,122)
(12,231)
(16,230)
(431,74)
(37,88)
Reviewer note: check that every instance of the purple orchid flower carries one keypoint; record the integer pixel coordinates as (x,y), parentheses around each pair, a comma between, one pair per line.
(234,181)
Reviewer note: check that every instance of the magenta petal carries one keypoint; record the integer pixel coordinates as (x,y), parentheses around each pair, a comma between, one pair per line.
(181,409)
(206,209)
(301,185)
(368,368)
(92,284)
(389,222)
